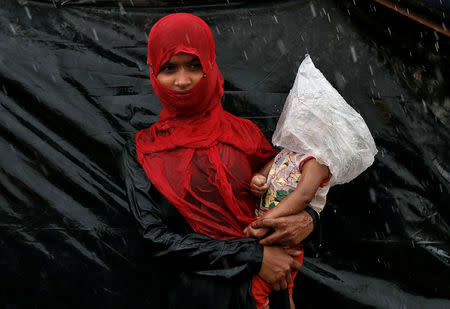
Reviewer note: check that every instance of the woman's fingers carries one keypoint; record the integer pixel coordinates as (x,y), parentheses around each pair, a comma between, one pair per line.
(264,223)
(276,286)
(273,238)
(293,252)
(283,284)
(276,267)
(257,233)
(296,265)
(289,230)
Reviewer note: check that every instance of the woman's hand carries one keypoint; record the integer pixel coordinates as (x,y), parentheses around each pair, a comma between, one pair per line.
(288,231)
(256,233)
(258,185)
(277,265)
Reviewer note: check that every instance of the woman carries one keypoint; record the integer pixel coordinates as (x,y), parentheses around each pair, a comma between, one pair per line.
(197,162)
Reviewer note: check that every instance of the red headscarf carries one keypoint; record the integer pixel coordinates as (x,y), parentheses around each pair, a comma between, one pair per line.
(197,155)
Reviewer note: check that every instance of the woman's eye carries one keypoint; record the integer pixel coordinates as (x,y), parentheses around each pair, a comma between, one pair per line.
(168,68)
(195,66)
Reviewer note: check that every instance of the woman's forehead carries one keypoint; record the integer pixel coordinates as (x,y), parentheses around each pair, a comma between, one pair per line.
(183,57)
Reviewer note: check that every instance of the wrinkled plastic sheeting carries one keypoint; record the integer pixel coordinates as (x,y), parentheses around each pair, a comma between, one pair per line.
(74,87)
(339,139)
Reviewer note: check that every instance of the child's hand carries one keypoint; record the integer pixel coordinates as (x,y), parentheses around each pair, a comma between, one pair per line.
(258,185)
(257,233)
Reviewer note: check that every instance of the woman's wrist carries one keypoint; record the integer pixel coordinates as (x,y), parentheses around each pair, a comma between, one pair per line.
(314,215)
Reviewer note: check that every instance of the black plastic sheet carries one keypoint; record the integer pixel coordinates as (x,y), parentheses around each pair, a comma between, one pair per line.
(74,88)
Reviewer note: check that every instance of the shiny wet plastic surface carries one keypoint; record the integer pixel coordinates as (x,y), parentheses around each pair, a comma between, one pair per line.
(74,88)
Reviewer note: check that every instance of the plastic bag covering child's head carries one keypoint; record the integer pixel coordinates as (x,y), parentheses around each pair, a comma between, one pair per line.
(317,121)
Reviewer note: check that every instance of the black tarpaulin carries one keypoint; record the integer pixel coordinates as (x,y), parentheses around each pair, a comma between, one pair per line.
(74,89)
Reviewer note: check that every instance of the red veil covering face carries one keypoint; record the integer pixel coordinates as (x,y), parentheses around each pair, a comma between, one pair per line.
(200,157)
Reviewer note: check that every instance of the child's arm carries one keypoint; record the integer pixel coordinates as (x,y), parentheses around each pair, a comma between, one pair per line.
(258,183)
(313,174)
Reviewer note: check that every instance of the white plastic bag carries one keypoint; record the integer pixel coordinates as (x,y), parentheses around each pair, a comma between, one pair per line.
(317,121)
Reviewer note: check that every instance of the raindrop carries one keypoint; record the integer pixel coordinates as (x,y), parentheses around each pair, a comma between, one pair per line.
(373,82)
(281,46)
(245,55)
(354,2)
(388,229)
(329,19)
(122,9)
(35,67)
(95,34)
(264,39)
(337,36)
(436,35)
(410,54)
(301,37)
(436,45)
(389,30)
(132,3)
(313,10)
(276,20)
(232,29)
(340,80)
(324,12)
(12,29)
(4,89)
(353,52)
(348,11)
(372,195)
(187,38)
(251,23)
(424,106)
(28,13)
(407,10)
(217,30)
(53,78)
(371,70)
(444,26)
(440,188)
(438,73)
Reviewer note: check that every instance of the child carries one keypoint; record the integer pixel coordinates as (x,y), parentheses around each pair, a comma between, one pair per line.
(331,145)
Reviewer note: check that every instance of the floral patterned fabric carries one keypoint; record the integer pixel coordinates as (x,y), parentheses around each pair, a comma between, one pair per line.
(283,178)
